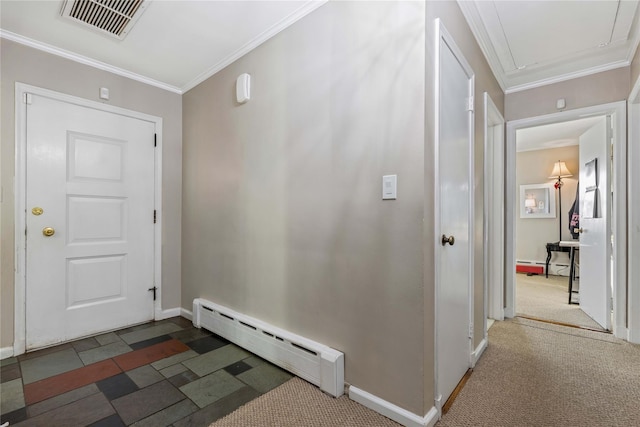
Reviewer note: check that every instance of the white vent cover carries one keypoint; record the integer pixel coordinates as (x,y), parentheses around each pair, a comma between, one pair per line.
(112,17)
(310,360)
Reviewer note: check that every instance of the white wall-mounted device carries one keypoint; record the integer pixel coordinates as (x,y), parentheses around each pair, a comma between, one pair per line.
(389,187)
(104,93)
(561,104)
(243,88)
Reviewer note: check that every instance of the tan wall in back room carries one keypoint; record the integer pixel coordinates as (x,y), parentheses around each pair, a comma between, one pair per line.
(26,65)
(532,235)
(283,218)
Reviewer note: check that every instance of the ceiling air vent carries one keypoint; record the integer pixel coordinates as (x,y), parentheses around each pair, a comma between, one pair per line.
(112,17)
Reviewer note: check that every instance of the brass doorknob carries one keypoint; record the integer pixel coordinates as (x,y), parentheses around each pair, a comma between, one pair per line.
(578,230)
(450,240)
(48,231)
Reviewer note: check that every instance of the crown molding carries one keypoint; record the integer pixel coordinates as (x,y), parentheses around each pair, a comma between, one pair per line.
(8,35)
(568,76)
(298,14)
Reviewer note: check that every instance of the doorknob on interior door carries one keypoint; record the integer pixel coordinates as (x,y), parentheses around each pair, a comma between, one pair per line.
(48,231)
(450,240)
(578,230)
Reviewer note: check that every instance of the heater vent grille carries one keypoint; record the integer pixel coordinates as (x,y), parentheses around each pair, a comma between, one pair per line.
(112,17)
(315,362)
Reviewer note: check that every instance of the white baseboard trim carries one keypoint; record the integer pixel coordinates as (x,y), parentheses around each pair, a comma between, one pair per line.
(475,356)
(6,352)
(389,410)
(187,314)
(168,313)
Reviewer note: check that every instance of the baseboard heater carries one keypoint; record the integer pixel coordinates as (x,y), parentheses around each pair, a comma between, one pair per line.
(312,361)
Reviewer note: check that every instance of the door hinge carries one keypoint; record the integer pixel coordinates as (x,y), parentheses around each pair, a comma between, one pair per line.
(470,103)
(470,330)
(154,290)
(155,139)
(154,216)
(611,303)
(27,98)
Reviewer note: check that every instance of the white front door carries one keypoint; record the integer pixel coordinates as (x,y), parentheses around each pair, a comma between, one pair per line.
(453,249)
(595,238)
(90,221)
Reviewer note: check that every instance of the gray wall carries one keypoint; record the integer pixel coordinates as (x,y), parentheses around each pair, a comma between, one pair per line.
(26,65)
(455,23)
(283,218)
(595,89)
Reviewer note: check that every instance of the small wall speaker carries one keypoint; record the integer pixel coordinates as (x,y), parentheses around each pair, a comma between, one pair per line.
(243,88)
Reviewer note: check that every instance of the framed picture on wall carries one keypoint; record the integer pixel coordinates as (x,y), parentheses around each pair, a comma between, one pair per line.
(537,201)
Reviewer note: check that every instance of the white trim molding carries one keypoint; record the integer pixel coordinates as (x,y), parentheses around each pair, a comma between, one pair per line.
(633,206)
(8,35)
(494,125)
(168,313)
(477,353)
(394,412)
(298,14)
(6,352)
(187,314)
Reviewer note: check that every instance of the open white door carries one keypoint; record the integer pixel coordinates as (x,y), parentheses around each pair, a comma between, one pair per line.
(595,222)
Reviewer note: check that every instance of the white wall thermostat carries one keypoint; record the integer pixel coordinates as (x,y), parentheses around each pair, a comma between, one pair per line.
(389,187)
(243,88)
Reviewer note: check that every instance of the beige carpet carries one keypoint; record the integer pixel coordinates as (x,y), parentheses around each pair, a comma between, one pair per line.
(298,403)
(532,374)
(536,374)
(537,296)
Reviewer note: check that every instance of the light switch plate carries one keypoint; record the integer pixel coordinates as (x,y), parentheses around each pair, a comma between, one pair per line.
(389,187)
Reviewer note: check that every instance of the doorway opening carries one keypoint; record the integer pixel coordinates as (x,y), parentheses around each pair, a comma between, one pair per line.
(548,171)
(522,214)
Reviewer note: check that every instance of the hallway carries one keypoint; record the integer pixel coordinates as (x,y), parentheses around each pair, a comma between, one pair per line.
(539,374)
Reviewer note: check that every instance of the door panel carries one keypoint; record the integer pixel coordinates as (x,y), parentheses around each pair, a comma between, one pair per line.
(453,345)
(92,173)
(595,239)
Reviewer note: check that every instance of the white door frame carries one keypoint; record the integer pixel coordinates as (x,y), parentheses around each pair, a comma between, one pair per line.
(19,344)
(445,37)
(633,194)
(493,212)
(618,220)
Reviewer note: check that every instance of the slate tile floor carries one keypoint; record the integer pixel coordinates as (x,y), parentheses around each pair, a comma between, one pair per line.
(165,373)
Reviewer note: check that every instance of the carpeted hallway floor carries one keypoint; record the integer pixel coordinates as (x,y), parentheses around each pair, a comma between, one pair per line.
(532,374)
(547,298)
(537,374)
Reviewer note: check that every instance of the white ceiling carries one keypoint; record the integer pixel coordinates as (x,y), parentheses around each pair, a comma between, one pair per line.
(177,44)
(532,43)
(553,135)
(174,45)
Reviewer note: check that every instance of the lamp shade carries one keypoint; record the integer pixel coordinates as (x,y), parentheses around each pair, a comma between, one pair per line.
(560,170)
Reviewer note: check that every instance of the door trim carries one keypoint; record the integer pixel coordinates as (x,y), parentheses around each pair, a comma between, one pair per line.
(618,220)
(443,36)
(494,125)
(633,307)
(21,89)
